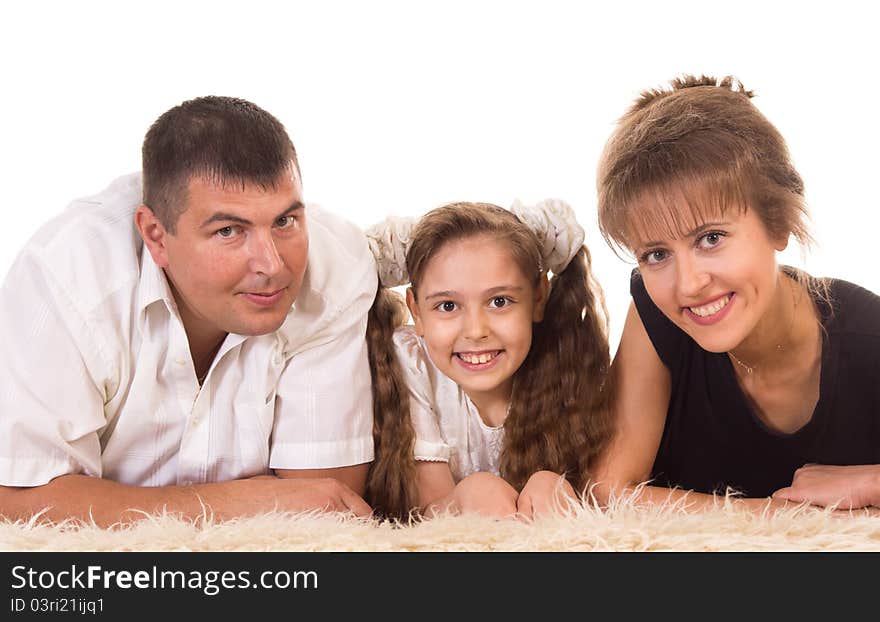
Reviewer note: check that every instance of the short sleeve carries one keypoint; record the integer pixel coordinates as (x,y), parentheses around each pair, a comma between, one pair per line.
(324,405)
(429,445)
(51,405)
(668,339)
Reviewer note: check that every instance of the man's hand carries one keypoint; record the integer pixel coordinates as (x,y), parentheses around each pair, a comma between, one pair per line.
(850,487)
(297,495)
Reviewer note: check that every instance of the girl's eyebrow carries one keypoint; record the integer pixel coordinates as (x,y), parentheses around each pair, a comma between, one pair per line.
(448,293)
(444,294)
(502,288)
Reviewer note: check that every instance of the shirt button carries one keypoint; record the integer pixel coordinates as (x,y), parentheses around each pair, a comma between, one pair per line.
(180,361)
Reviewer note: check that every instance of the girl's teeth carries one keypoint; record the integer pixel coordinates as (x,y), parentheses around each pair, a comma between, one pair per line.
(477,359)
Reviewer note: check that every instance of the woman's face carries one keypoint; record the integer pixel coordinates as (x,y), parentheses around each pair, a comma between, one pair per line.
(716,282)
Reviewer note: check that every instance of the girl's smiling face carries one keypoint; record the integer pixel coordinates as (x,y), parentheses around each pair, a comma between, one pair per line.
(718,281)
(474,308)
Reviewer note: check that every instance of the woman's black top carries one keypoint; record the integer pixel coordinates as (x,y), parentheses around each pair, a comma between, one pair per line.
(712,439)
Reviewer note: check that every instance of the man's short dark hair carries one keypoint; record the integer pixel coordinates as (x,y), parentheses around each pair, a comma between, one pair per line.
(225,140)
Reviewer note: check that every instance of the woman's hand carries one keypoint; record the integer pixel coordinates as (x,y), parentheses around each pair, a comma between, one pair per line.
(850,487)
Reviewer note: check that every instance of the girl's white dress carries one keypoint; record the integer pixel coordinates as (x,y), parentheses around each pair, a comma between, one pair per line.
(448,427)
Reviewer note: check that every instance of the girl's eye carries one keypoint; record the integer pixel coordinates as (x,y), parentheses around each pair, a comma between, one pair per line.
(499,301)
(654,256)
(447,306)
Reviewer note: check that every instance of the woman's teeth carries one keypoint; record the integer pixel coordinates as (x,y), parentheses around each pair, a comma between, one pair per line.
(712,309)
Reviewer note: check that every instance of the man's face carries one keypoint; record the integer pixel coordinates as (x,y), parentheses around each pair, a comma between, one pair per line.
(237,259)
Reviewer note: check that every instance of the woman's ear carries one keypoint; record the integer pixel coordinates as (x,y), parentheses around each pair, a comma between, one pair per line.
(413,307)
(782,243)
(542,292)
(153,232)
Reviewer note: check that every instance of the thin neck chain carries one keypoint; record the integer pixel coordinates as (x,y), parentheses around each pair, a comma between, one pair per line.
(751,368)
(780,347)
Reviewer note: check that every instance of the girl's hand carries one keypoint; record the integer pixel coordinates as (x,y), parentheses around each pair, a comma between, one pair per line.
(544,493)
(486,494)
(851,487)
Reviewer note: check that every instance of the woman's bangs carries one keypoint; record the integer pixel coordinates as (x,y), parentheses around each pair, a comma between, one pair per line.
(674,210)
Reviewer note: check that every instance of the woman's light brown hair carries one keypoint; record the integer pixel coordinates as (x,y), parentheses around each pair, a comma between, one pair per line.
(703,146)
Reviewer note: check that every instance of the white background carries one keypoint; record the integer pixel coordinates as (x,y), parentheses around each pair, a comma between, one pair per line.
(397,107)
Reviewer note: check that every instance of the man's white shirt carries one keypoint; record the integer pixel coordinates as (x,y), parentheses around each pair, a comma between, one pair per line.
(96,375)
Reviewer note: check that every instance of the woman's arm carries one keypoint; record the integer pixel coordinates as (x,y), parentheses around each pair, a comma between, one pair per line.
(641,399)
(642,393)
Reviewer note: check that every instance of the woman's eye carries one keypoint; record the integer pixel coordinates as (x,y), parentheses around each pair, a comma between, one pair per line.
(711,239)
(655,256)
(499,301)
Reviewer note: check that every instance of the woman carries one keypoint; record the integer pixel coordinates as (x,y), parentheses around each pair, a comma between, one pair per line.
(734,373)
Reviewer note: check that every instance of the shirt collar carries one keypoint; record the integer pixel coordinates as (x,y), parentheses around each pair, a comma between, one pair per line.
(153,287)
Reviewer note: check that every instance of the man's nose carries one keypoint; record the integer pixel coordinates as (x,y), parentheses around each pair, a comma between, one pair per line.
(264,256)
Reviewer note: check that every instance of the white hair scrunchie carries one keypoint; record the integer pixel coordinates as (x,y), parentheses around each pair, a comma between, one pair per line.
(557,228)
(389,240)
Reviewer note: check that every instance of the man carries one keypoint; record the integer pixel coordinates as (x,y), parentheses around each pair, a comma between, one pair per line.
(210,358)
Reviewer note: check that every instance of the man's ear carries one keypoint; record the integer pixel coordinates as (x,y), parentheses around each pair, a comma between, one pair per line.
(542,292)
(153,232)
(414,311)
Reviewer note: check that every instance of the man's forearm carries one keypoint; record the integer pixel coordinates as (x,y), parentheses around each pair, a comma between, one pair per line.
(354,476)
(106,502)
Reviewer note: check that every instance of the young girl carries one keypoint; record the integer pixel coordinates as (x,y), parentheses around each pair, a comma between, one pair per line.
(496,391)
(734,373)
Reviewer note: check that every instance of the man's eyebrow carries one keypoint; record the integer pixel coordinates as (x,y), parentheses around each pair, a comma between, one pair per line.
(227,217)
(298,205)
(689,234)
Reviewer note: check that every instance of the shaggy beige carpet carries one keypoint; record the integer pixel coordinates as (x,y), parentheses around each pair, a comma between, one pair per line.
(622,527)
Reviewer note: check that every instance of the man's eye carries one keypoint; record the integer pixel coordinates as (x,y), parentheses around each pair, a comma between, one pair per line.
(228,232)
(284,221)
(448,306)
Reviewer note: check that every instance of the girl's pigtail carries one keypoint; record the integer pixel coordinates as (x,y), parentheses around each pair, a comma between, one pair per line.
(560,417)
(391,483)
